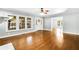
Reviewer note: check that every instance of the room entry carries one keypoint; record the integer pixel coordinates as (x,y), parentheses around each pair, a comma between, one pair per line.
(57,30)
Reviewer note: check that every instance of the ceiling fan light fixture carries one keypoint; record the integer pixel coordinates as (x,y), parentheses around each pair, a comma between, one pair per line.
(44,11)
(47,10)
(42,14)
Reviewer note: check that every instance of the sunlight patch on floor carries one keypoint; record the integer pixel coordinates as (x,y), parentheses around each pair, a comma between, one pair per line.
(29,40)
(59,37)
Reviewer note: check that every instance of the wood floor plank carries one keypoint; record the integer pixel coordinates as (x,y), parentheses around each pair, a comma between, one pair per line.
(42,40)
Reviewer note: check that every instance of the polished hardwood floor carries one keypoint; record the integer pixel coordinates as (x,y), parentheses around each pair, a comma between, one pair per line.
(43,40)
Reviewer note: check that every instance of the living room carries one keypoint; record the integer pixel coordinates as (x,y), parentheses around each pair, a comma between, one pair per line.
(39,28)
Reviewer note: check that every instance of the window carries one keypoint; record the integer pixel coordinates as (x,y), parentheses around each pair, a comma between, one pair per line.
(29,22)
(21,22)
(12,23)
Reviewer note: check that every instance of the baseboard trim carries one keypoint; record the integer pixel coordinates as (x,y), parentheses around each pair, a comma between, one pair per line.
(71,33)
(34,31)
(10,35)
(47,29)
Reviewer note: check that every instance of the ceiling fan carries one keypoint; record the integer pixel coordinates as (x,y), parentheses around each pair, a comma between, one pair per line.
(45,11)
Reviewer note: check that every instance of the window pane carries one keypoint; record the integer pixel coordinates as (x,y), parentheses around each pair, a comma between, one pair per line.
(12,23)
(22,23)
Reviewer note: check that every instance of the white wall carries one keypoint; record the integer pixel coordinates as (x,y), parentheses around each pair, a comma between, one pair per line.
(2,26)
(71,23)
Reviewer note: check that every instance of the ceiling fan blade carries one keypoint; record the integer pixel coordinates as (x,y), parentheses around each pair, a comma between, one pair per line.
(42,10)
(45,12)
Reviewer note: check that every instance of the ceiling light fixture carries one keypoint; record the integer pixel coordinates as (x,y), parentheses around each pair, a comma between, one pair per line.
(44,11)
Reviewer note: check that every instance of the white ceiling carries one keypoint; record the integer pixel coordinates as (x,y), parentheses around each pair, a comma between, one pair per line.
(37,11)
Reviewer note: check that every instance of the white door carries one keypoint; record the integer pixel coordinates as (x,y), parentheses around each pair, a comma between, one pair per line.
(57,22)
(57,30)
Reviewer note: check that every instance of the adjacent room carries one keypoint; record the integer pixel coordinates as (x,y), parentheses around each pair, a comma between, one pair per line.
(39,29)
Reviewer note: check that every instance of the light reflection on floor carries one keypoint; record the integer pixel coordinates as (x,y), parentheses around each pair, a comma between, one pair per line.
(57,34)
(59,37)
(29,40)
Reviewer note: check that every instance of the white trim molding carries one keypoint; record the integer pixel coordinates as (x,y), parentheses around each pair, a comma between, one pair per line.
(47,29)
(9,35)
(71,33)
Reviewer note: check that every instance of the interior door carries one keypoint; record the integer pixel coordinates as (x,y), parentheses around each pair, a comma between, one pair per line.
(57,30)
